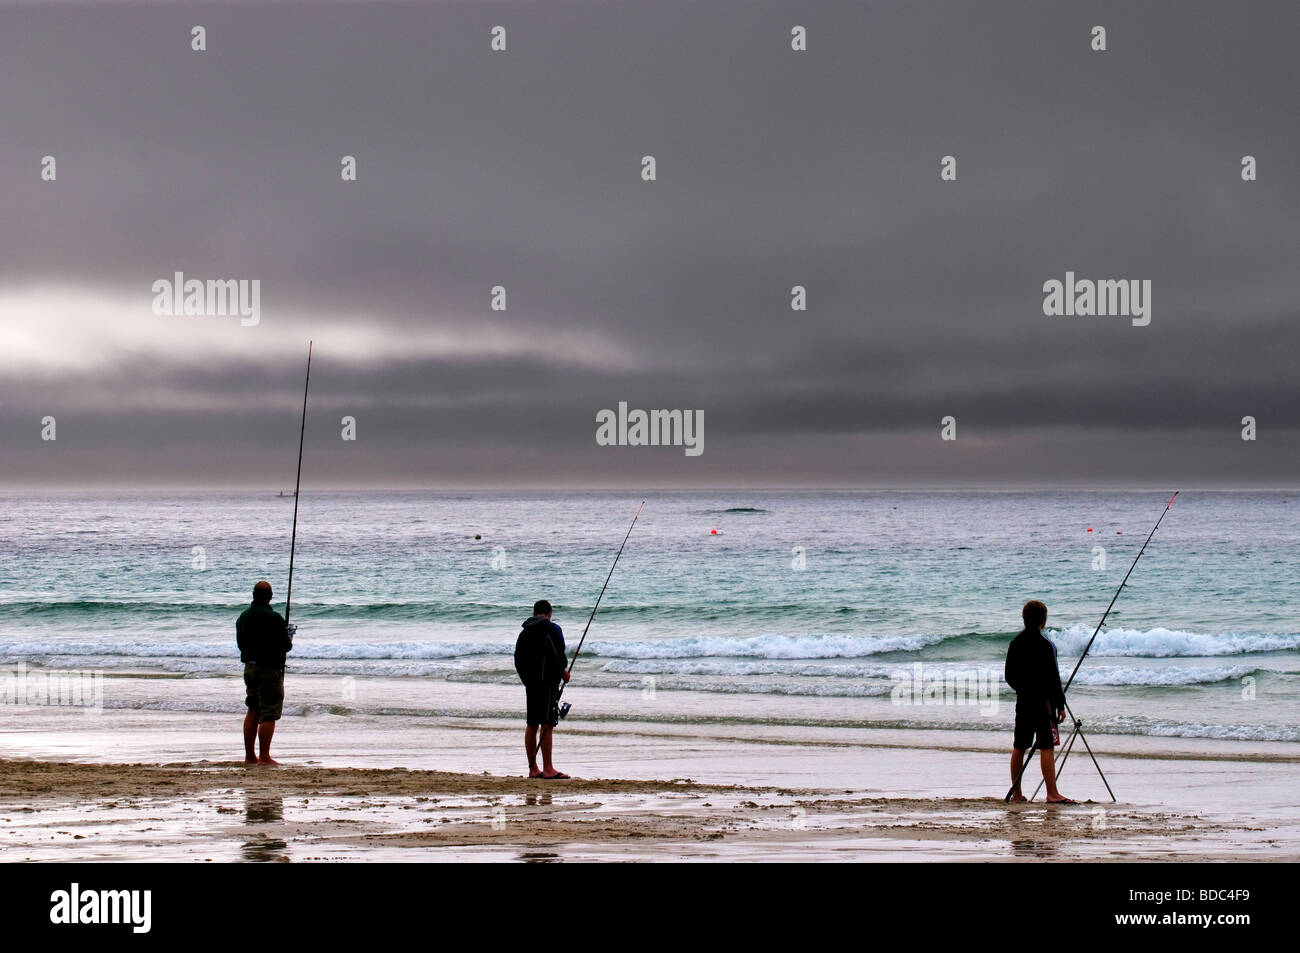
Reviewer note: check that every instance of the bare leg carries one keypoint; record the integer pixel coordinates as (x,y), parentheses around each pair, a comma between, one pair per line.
(1017,760)
(1048,764)
(530,748)
(250,735)
(548,766)
(264,732)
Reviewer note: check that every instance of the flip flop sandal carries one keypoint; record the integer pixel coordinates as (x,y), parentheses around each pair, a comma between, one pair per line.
(561,776)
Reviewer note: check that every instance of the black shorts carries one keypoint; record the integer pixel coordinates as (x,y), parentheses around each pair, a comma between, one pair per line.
(542,709)
(1034,727)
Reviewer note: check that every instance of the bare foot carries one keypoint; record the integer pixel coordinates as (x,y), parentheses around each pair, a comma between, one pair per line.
(1018,798)
(1060,799)
(250,759)
(265,760)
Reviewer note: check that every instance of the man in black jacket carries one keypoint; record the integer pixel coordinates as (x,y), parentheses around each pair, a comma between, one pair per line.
(1040,703)
(264,640)
(540,662)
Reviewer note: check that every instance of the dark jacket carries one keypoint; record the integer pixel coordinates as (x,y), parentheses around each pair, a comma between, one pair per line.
(1031,670)
(539,652)
(262,636)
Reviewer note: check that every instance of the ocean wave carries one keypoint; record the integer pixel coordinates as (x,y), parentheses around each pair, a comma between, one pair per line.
(768,686)
(1113,643)
(758,678)
(303,649)
(76,607)
(1169,643)
(1118,676)
(772,647)
(1110,643)
(767,646)
(79,610)
(1117,725)
(1180,729)
(1172,676)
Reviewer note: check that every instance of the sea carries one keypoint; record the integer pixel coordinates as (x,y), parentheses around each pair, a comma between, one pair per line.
(876,609)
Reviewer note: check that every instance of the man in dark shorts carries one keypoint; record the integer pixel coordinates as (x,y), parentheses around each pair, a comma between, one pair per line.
(1040,703)
(540,662)
(264,640)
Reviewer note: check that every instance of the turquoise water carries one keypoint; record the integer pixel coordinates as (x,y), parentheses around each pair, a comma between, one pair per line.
(761,594)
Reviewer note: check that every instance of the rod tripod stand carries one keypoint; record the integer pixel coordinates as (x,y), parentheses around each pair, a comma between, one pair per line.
(1059,763)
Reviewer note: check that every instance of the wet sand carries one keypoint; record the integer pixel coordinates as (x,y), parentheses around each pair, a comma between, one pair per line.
(124,784)
(226,811)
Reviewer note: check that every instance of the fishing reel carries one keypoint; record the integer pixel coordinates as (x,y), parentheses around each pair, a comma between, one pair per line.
(564,710)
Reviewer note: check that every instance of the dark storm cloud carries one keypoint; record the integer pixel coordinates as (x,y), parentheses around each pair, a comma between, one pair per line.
(775,169)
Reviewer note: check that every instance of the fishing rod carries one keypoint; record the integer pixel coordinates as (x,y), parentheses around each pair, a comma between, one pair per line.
(564,709)
(293,539)
(1087,647)
(1082,655)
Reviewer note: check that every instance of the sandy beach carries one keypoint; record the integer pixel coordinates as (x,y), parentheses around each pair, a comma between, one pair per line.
(650,793)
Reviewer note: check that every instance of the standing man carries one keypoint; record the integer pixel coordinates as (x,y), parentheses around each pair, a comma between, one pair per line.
(1040,703)
(540,662)
(264,639)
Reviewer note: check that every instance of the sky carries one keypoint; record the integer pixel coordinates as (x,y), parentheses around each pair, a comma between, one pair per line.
(774,168)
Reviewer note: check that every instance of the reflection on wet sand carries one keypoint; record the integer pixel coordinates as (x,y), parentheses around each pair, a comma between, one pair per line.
(261,846)
(1028,838)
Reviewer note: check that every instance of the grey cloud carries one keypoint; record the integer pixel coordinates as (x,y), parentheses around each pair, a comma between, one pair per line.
(775,169)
